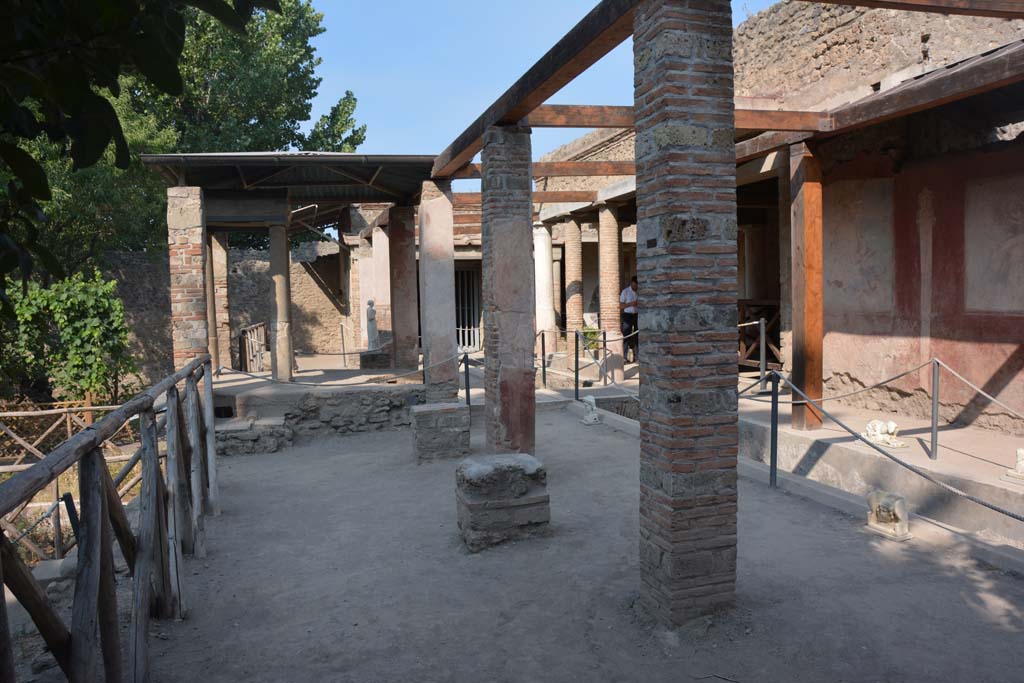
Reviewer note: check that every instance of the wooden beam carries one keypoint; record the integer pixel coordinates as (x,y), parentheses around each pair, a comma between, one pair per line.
(552,169)
(770,119)
(597,34)
(766,142)
(761,169)
(1002,9)
(580,116)
(85,612)
(807,282)
(474,199)
(971,77)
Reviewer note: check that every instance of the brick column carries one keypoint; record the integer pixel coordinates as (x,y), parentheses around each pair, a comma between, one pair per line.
(807,280)
(281,356)
(556,292)
(437,291)
(609,236)
(543,288)
(686,263)
(404,306)
(572,237)
(508,288)
(209,286)
(219,255)
(186,239)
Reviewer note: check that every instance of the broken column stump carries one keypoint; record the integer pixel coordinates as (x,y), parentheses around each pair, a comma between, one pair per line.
(441,430)
(500,498)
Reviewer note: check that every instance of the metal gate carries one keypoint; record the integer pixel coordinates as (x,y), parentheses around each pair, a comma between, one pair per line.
(467,306)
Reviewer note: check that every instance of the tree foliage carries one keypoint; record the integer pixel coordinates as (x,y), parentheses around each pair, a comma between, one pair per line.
(61,62)
(67,340)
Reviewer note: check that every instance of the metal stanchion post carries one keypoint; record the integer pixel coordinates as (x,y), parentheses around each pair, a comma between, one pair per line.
(576,365)
(764,355)
(773,463)
(934,454)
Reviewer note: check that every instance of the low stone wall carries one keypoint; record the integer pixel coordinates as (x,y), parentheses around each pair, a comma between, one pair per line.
(347,411)
(442,430)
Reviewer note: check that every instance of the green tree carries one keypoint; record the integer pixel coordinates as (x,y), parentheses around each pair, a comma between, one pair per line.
(69,339)
(60,62)
(337,131)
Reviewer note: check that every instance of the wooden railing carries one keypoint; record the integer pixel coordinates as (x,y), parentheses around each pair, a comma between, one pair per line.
(172,505)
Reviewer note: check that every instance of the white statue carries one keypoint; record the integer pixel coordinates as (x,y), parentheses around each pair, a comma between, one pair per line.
(883,433)
(372,337)
(1016,475)
(590,416)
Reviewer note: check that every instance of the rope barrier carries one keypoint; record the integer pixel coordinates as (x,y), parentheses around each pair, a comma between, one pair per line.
(979,389)
(345,353)
(372,380)
(916,470)
(846,395)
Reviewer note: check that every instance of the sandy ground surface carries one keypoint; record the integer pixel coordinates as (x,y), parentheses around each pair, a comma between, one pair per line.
(341,561)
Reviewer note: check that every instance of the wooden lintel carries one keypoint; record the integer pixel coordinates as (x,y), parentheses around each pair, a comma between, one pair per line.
(597,34)
(756,170)
(464,199)
(551,169)
(770,119)
(474,219)
(580,116)
(766,142)
(1002,9)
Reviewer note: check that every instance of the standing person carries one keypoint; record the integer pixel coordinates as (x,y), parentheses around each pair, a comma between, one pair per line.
(628,302)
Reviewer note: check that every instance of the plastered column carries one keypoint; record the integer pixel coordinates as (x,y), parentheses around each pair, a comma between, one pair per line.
(609,253)
(186,242)
(381,245)
(281,325)
(573,244)
(686,263)
(437,291)
(219,255)
(404,306)
(508,289)
(543,287)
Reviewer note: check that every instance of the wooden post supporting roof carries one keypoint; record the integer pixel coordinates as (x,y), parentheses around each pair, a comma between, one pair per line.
(807,283)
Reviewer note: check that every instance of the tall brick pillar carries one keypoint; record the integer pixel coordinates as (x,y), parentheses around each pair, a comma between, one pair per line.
(556,292)
(404,306)
(186,241)
(219,255)
(572,237)
(609,252)
(281,356)
(437,291)
(543,288)
(508,288)
(686,233)
(213,330)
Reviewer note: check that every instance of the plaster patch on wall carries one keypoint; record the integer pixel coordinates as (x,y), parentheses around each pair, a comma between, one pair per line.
(858,246)
(994,244)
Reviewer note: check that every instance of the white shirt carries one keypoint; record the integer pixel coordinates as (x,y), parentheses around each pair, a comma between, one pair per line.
(628,296)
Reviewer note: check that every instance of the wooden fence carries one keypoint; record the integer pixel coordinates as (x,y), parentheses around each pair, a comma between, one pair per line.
(172,505)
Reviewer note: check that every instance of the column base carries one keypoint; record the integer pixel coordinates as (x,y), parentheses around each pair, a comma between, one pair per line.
(501,498)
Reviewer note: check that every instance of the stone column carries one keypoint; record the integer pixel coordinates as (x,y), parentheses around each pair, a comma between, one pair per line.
(281,325)
(508,288)
(404,306)
(572,236)
(542,286)
(186,238)
(382,282)
(219,254)
(609,252)
(686,263)
(437,291)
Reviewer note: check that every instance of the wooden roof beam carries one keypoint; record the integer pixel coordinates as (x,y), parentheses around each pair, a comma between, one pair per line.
(596,116)
(464,199)
(597,34)
(551,169)
(1002,9)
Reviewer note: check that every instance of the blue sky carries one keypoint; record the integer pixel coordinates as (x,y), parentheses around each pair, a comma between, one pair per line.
(423,71)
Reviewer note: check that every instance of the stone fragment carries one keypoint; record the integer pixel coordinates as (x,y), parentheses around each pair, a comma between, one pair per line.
(888,515)
(500,498)
(590,415)
(441,430)
(883,434)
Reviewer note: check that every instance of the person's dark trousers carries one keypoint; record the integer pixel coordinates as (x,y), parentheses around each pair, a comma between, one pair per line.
(629,326)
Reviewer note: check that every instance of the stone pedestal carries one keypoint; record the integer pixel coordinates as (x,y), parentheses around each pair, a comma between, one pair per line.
(501,498)
(441,430)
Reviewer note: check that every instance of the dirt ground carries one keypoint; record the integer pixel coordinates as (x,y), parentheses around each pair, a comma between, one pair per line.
(341,561)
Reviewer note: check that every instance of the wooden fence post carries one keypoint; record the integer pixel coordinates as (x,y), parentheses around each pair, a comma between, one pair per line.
(6,642)
(106,609)
(196,466)
(210,432)
(84,616)
(177,517)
